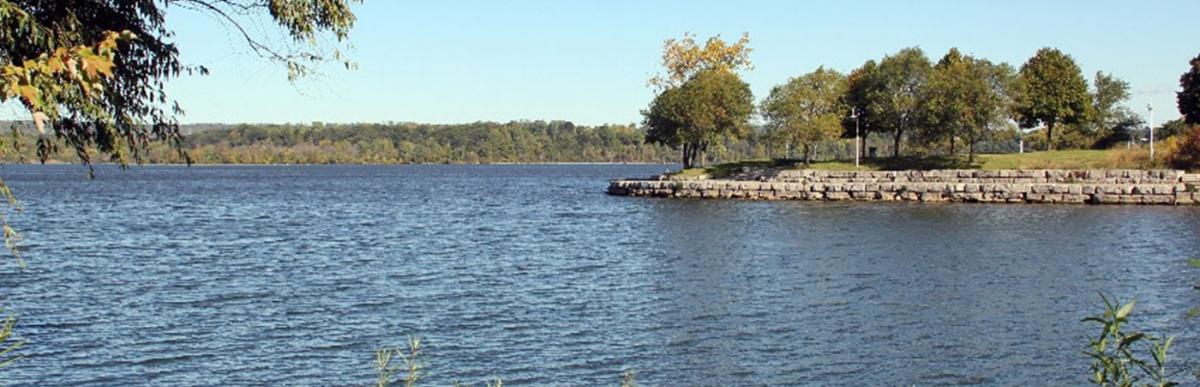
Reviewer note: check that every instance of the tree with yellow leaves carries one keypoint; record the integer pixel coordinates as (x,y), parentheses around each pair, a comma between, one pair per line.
(684,58)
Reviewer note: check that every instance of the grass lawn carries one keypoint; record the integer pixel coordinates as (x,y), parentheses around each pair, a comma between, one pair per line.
(1066,159)
(1071,159)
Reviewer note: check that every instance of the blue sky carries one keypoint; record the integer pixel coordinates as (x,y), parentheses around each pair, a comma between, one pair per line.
(588,61)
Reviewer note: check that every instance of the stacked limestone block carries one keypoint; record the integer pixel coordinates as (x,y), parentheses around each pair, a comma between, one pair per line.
(1004,186)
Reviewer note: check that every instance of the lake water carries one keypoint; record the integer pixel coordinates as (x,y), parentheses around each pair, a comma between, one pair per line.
(292,275)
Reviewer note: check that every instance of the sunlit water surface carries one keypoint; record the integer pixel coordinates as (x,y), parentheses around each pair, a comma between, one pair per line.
(293,275)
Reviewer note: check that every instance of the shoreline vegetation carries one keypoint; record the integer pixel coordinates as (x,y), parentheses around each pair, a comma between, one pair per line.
(1078,159)
(542,142)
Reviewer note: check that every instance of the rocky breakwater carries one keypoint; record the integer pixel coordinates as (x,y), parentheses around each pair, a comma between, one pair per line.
(1163,187)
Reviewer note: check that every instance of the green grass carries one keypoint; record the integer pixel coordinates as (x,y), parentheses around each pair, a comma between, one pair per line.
(1071,159)
(726,169)
(1066,159)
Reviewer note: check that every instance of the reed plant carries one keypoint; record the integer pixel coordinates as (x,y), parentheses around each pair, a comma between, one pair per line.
(1115,360)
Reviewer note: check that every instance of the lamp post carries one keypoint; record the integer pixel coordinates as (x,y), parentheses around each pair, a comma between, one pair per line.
(1150,108)
(857,151)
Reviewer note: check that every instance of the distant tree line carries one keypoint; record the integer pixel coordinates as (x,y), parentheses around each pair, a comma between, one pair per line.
(512,142)
(397,143)
(410,143)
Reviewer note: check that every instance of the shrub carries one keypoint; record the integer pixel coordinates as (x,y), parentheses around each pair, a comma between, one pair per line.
(1183,151)
(1128,158)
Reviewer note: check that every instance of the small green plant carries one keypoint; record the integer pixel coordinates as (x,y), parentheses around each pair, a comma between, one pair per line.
(386,366)
(1114,362)
(8,342)
(628,379)
(1195,310)
(494,383)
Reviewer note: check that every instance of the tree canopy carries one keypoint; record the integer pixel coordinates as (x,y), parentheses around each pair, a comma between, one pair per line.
(1108,93)
(807,109)
(1111,121)
(966,97)
(1189,97)
(684,58)
(895,95)
(701,100)
(712,106)
(859,84)
(1051,91)
(94,72)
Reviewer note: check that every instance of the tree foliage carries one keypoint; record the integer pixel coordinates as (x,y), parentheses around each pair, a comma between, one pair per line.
(1111,122)
(1184,150)
(895,95)
(1051,91)
(1115,359)
(966,98)
(682,59)
(1108,93)
(406,143)
(807,109)
(701,101)
(710,107)
(1189,97)
(859,85)
(99,68)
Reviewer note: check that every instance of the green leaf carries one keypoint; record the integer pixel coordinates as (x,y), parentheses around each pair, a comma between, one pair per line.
(1125,310)
(1127,340)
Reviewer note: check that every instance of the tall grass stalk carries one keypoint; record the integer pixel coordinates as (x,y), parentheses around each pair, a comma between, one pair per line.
(1114,359)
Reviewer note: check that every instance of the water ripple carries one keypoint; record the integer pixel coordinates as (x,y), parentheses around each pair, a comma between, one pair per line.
(293,275)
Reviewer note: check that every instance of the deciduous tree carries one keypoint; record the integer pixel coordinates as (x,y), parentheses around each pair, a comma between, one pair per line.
(895,96)
(1051,91)
(807,109)
(711,106)
(684,58)
(1108,93)
(859,84)
(95,71)
(1189,96)
(966,98)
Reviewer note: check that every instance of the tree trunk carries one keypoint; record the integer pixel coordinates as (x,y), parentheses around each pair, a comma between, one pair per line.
(951,146)
(971,153)
(683,156)
(807,155)
(689,156)
(1050,136)
(896,144)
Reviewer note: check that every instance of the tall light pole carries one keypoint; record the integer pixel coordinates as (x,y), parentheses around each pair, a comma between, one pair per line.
(1150,108)
(857,151)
